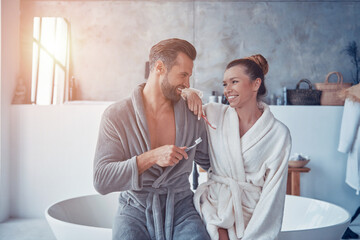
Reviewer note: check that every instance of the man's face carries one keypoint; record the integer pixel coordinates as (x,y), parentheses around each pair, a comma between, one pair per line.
(177,78)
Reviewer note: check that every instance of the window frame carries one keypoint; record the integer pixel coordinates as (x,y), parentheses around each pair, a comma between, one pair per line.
(55,61)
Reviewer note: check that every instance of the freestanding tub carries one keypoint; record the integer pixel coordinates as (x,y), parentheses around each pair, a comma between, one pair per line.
(90,217)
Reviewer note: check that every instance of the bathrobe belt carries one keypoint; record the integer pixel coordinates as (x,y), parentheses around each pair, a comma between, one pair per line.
(157,228)
(236,188)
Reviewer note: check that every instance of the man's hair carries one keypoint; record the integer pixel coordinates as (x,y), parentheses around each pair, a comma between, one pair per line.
(167,51)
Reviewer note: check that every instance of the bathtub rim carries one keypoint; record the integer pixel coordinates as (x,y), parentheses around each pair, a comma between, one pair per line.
(48,216)
(347,221)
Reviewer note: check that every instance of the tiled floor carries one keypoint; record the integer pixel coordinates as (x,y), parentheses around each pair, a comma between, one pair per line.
(26,229)
(39,229)
(355,226)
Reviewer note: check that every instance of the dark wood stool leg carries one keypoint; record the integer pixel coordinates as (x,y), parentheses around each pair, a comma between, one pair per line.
(288,185)
(295,184)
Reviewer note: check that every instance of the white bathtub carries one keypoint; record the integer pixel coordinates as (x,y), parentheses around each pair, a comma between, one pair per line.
(90,217)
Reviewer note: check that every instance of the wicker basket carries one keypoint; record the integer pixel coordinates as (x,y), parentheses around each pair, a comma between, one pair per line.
(303,96)
(330,91)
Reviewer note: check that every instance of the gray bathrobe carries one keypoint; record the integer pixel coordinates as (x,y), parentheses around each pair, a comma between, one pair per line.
(124,135)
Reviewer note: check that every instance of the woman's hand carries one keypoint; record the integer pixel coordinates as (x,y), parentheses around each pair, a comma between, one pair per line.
(193,101)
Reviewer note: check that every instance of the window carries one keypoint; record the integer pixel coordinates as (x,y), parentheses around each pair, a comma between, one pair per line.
(50,65)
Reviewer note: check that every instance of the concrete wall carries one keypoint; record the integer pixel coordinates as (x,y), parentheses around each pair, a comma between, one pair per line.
(110,40)
(10,55)
(299,39)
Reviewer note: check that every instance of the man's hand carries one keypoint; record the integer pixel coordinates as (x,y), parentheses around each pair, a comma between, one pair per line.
(164,156)
(169,155)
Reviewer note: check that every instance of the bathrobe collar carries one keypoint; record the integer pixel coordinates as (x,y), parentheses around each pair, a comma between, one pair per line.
(138,103)
(232,140)
(261,127)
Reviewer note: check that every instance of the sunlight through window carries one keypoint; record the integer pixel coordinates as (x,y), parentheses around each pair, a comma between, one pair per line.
(50,60)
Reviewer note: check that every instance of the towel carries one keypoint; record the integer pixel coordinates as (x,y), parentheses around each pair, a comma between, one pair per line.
(350,142)
(246,189)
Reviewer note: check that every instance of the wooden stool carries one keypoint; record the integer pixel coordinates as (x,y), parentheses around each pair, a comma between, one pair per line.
(293,180)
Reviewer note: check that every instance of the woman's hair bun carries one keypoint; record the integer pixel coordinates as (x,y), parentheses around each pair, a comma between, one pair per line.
(261,61)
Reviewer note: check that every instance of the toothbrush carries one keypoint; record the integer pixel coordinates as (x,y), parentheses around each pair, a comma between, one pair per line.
(207,121)
(197,141)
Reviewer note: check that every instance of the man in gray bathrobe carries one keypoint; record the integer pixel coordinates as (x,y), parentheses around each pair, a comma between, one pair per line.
(141,152)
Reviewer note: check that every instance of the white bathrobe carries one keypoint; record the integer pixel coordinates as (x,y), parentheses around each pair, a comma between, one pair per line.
(350,142)
(245,192)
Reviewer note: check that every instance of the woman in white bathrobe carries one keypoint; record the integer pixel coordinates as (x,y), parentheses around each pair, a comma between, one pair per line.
(249,150)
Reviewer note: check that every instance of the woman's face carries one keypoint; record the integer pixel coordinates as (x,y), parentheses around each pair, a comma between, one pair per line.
(238,88)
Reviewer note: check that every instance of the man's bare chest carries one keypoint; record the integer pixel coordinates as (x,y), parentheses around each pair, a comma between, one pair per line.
(162,130)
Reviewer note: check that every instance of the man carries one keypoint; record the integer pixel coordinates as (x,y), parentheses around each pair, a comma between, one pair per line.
(141,152)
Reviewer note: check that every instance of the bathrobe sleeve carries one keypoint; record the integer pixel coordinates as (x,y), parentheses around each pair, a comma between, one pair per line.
(114,168)
(266,220)
(202,150)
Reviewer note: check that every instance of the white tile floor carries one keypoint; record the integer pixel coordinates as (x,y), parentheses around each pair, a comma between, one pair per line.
(39,229)
(25,229)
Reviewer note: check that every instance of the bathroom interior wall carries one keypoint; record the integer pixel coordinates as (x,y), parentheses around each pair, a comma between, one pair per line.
(10,61)
(52,155)
(315,132)
(51,147)
(110,40)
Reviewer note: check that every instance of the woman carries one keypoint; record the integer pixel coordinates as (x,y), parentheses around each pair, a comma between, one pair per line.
(249,150)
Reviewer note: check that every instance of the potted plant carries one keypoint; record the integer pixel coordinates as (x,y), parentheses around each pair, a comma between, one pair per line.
(352,50)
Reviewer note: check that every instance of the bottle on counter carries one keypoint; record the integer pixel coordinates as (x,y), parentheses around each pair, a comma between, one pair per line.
(272,100)
(212,98)
(224,100)
(285,96)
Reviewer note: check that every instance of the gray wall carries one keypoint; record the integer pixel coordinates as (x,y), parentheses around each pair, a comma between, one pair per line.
(110,40)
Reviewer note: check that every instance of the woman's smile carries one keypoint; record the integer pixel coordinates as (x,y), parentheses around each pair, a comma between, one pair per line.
(231,98)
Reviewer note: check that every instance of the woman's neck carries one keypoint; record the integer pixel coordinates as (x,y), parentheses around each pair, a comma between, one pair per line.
(248,115)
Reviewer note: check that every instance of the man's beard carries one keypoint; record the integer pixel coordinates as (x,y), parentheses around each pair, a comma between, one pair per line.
(169,91)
